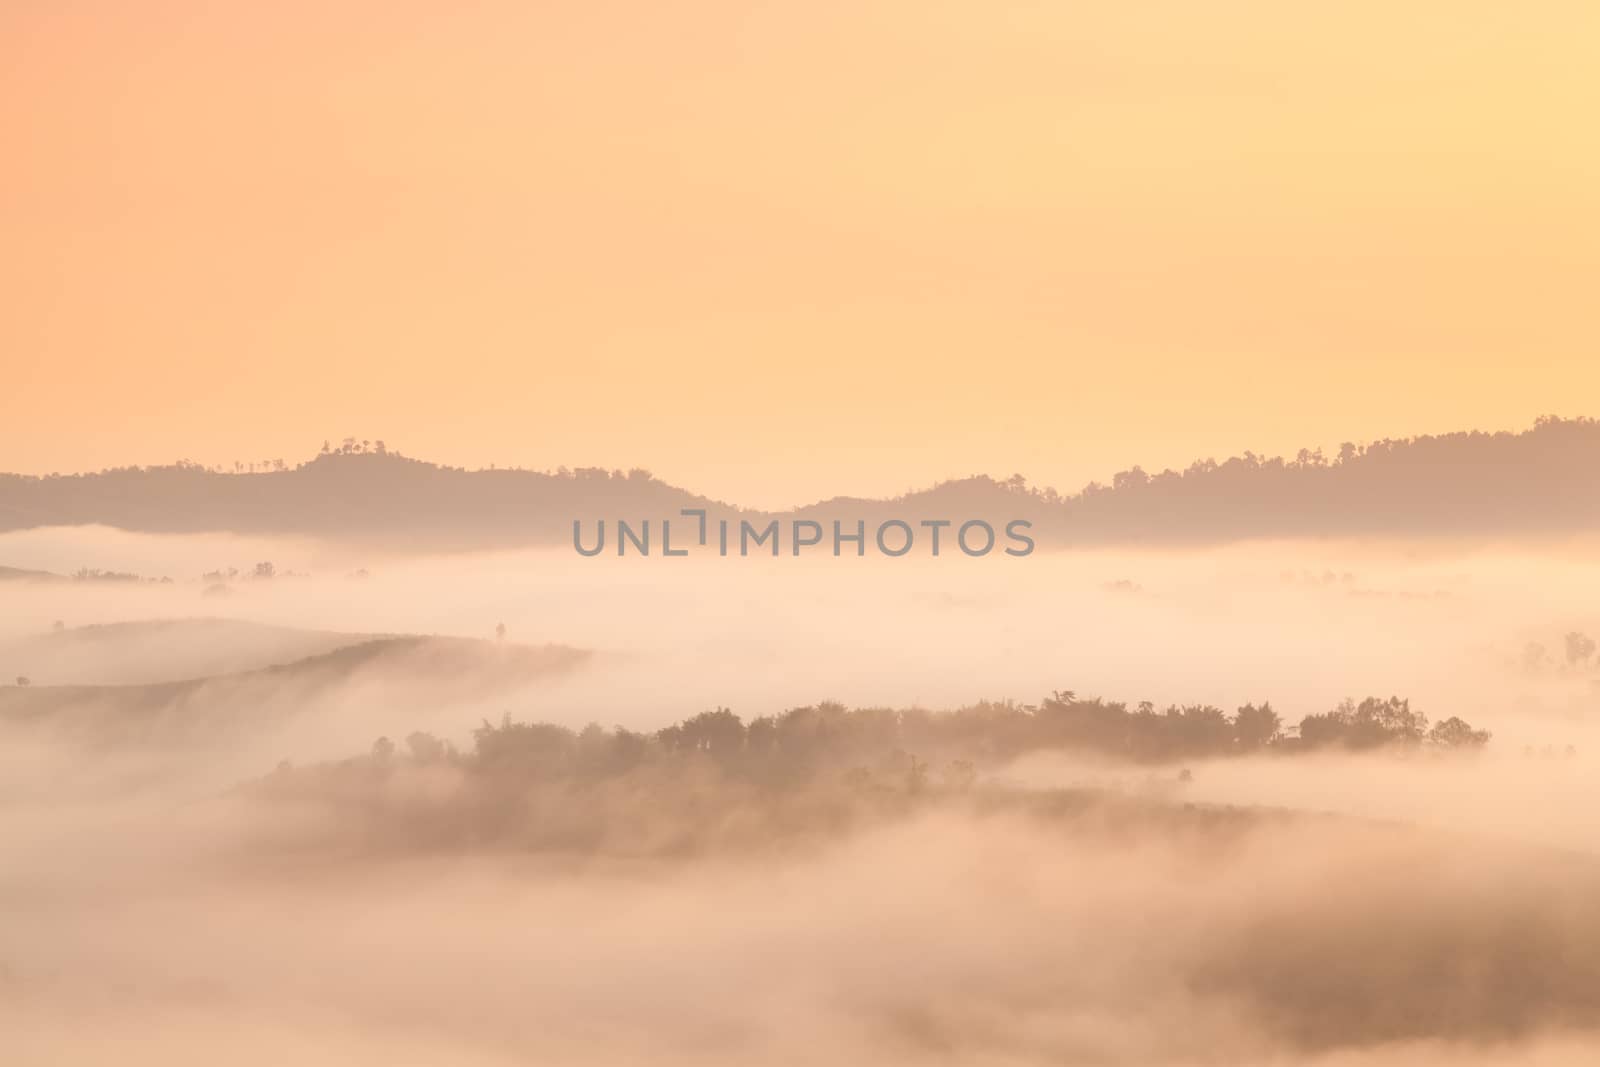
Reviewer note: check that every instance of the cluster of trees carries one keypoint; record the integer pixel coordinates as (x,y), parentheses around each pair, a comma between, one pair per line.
(265,571)
(995,732)
(94,574)
(715,781)
(82,574)
(1578,654)
(1580,648)
(798,743)
(1374,723)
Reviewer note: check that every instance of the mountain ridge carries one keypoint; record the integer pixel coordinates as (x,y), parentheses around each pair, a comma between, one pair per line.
(1542,480)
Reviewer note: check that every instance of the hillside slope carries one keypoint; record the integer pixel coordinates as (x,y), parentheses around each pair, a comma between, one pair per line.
(385,673)
(148,651)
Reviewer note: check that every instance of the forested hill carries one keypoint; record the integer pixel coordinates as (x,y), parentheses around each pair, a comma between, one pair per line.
(1542,482)
(356,493)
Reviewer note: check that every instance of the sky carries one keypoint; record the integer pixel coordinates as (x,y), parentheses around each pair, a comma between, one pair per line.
(776,252)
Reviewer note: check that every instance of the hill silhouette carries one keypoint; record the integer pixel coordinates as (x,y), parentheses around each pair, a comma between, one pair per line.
(391,671)
(148,651)
(20,574)
(1544,481)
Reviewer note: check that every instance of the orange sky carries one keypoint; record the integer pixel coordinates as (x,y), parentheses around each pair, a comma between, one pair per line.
(774,251)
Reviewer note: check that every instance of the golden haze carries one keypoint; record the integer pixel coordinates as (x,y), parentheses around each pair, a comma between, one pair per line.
(783,252)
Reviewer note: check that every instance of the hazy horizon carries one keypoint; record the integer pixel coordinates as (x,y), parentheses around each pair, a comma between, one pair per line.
(790,251)
(835,483)
(907,483)
(1249,715)
(1535,487)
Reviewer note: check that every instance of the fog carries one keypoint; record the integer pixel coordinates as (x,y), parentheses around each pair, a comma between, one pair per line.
(1302,625)
(996,939)
(159,902)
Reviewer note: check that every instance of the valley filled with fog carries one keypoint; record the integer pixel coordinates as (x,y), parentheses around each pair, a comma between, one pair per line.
(1301,624)
(295,797)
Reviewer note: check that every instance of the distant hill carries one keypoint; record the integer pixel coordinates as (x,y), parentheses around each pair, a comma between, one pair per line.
(18,574)
(366,495)
(1542,481)
(85,574)
(160,650)
(388,673)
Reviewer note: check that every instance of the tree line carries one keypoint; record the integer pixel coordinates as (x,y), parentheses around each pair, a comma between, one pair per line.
(799,743)
(716,781)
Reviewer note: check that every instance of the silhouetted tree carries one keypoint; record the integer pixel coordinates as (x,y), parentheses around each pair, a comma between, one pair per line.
(1454,733)
(718,733)
(1580,647)
(1256,727)
(425,748)
(1372,723)
(916,776)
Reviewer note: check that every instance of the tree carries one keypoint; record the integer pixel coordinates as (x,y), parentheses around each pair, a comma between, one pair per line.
(536,749)
(1580,647)
(499,631)
(1256,727)
(24,680)
(425,748)
(960,774)
(1370,724)
(718,733)
(916,776)
(1201,728)
(1455,733)
(1129,479)
(1377,722)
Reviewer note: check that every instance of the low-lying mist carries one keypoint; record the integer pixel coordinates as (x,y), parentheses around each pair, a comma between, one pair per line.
(1303,625)
(1011,928)
(207,855)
